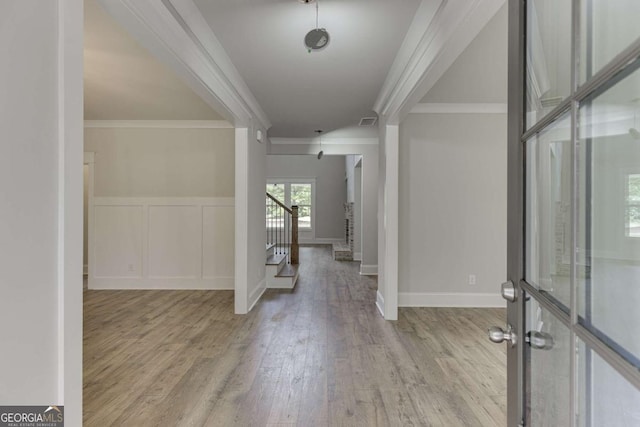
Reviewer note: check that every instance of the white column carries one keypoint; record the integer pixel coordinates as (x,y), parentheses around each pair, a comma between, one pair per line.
(242,220)
(41,159)
(392,137)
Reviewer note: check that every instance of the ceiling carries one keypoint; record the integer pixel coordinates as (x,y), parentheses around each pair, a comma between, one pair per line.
(246,58)
(122,81)
(302,91)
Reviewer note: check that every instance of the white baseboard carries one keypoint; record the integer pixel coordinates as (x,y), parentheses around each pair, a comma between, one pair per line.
(319,241)
(217,283)
(257,294)
(357,256)
(368,270)
(438,299)
(380,302)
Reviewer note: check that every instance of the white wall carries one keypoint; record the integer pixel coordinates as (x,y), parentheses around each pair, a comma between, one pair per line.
(85,216)
(479,74)
(452,209)
(330,190)
(41,205)
(162,162)
(368,148)
(163,208)
(453,182)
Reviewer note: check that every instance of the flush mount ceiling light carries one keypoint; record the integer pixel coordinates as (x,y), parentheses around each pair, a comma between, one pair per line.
(318,38)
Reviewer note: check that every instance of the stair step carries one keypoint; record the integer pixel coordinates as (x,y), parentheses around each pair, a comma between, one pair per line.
(289,270)
(275,259)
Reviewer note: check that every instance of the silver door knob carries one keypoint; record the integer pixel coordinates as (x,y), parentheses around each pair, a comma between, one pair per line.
(539,340)
(498,335)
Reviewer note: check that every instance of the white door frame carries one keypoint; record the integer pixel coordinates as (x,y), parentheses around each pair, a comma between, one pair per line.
(89,160)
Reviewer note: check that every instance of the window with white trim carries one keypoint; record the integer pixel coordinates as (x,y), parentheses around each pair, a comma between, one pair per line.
(298,192)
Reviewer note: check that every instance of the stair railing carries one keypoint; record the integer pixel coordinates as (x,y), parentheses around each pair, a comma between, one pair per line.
(282,228)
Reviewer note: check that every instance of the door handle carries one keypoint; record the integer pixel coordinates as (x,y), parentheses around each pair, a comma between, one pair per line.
(498,335)
(539,340)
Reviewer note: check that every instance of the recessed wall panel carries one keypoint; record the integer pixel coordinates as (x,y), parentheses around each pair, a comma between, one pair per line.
(118,241)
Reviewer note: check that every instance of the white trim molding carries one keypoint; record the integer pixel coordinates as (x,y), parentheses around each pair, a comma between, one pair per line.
(380,302)
(70,189)
(161,124)
(452,108)
(178,35)
(440,32)
(319,241)
(368,270)
(440,299)
(325,141)
(130,251)
(257,293)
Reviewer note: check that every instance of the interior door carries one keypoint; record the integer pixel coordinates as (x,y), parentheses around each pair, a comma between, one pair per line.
(573,316)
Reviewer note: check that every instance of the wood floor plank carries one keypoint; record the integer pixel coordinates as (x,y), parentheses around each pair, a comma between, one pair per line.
(317,355)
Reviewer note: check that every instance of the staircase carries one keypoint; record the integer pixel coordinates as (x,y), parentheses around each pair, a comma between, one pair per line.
(282,244)
(280,273)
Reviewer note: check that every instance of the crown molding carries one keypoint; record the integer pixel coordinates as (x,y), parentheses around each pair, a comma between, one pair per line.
(177,34)
(325,141)
(452,108)
(438,34)
(165,124)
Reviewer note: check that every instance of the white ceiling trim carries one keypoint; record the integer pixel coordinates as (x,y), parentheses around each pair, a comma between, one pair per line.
(175,32)
(164,124)
(422,60)
(452,108)
(325,141)
(417,36)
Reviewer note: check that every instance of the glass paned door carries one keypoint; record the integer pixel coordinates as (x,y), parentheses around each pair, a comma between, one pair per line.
(573,317)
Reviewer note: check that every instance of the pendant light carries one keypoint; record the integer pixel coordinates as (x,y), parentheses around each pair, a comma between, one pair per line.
(318,38)
(320,153)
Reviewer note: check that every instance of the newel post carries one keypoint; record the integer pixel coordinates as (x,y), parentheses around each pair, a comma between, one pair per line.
(294,235)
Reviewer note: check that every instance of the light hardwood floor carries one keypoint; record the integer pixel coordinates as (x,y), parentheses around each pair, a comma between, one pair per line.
(320,355)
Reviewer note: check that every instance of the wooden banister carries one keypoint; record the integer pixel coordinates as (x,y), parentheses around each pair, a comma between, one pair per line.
(279,203)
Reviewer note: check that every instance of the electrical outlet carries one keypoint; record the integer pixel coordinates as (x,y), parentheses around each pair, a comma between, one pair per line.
(472,279)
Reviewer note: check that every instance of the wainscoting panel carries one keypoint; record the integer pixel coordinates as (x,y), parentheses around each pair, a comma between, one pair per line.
(175,239)
(162,243)
(218,241)
(118,241)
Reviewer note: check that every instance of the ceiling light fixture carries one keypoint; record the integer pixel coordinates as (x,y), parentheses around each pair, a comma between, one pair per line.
(306,1)
(320,153)
(318,38)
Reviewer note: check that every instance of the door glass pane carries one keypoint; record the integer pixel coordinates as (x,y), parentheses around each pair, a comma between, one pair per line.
(548,373)
(606,398)
(548,211)
(609,246)
(607,27)
(548,56)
